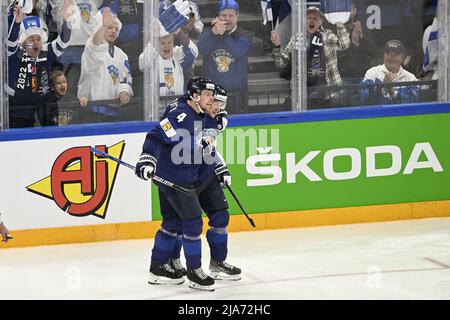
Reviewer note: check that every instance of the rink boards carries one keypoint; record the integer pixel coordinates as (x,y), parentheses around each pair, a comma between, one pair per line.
(289,170)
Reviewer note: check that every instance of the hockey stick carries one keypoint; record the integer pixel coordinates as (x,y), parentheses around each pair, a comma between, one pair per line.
(246,215)
(154,177)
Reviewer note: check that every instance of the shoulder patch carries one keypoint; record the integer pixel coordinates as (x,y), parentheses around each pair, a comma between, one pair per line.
(167,128)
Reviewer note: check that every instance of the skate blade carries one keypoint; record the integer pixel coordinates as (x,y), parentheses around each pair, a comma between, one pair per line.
(219,276)
(196,286)
(156,280)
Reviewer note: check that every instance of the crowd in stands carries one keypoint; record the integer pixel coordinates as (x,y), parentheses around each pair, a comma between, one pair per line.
(78,61)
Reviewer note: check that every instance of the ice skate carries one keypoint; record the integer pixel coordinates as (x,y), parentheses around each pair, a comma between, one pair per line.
(164,274)
(200,280)
(224,271)
(177,266)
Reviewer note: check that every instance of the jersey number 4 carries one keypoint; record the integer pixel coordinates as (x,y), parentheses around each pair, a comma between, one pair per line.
(181,117)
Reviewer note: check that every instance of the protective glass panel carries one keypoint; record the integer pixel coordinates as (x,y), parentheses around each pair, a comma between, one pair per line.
(228,42)
(377,52)
(263,67)
(74,62)
(3,74)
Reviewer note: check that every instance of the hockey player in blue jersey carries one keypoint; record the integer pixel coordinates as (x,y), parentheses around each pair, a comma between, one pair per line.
(213,202)
(176,150)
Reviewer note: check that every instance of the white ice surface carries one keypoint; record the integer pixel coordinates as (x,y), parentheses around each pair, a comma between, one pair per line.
(392,260)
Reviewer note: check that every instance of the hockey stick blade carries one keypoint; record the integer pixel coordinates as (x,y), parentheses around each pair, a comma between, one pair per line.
(240,206)
(154,177)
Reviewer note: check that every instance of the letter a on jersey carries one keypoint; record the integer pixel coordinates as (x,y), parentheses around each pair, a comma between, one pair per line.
(81,183)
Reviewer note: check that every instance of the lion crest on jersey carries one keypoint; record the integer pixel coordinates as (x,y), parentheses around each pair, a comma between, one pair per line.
(223,60)
(85,11)
(209,136)
(62,117)
(114,72)
(169,78)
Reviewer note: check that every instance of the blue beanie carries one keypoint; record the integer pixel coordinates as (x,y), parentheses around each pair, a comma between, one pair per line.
(228,4)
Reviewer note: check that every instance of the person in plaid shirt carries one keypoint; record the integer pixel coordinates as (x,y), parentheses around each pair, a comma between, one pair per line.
(323,45)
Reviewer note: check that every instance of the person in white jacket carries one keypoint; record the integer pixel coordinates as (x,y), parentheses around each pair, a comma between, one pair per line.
(430,43)
(105,69)
(172,62)
(83,25)
(4,231)
(391,71)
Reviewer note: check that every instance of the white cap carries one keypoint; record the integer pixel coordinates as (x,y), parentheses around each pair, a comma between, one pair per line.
(32,25)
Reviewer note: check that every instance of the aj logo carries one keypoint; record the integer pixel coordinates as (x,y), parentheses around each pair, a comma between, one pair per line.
(81,183)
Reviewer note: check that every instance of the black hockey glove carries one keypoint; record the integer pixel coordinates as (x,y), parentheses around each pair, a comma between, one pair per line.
(222,120)
(223,175)
(145,167)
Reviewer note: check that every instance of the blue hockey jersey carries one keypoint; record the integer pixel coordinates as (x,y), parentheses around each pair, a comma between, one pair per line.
(176,144)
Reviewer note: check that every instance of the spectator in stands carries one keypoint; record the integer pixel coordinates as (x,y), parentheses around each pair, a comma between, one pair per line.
(225,49)
(105,70)
(430,44)
(30,64)
(4,231)
(30,8)
(83,26)
(130,40)
(391,72)
(322,65)
(172,61)
(65,103)
(360,56)
(129,15)
(59,83)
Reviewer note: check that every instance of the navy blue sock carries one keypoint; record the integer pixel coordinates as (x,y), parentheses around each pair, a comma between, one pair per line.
(193,253)
(218,244)
(163,247)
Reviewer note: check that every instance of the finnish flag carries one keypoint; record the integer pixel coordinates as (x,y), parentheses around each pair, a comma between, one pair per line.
(266,6)
(284,22)
(336,10)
